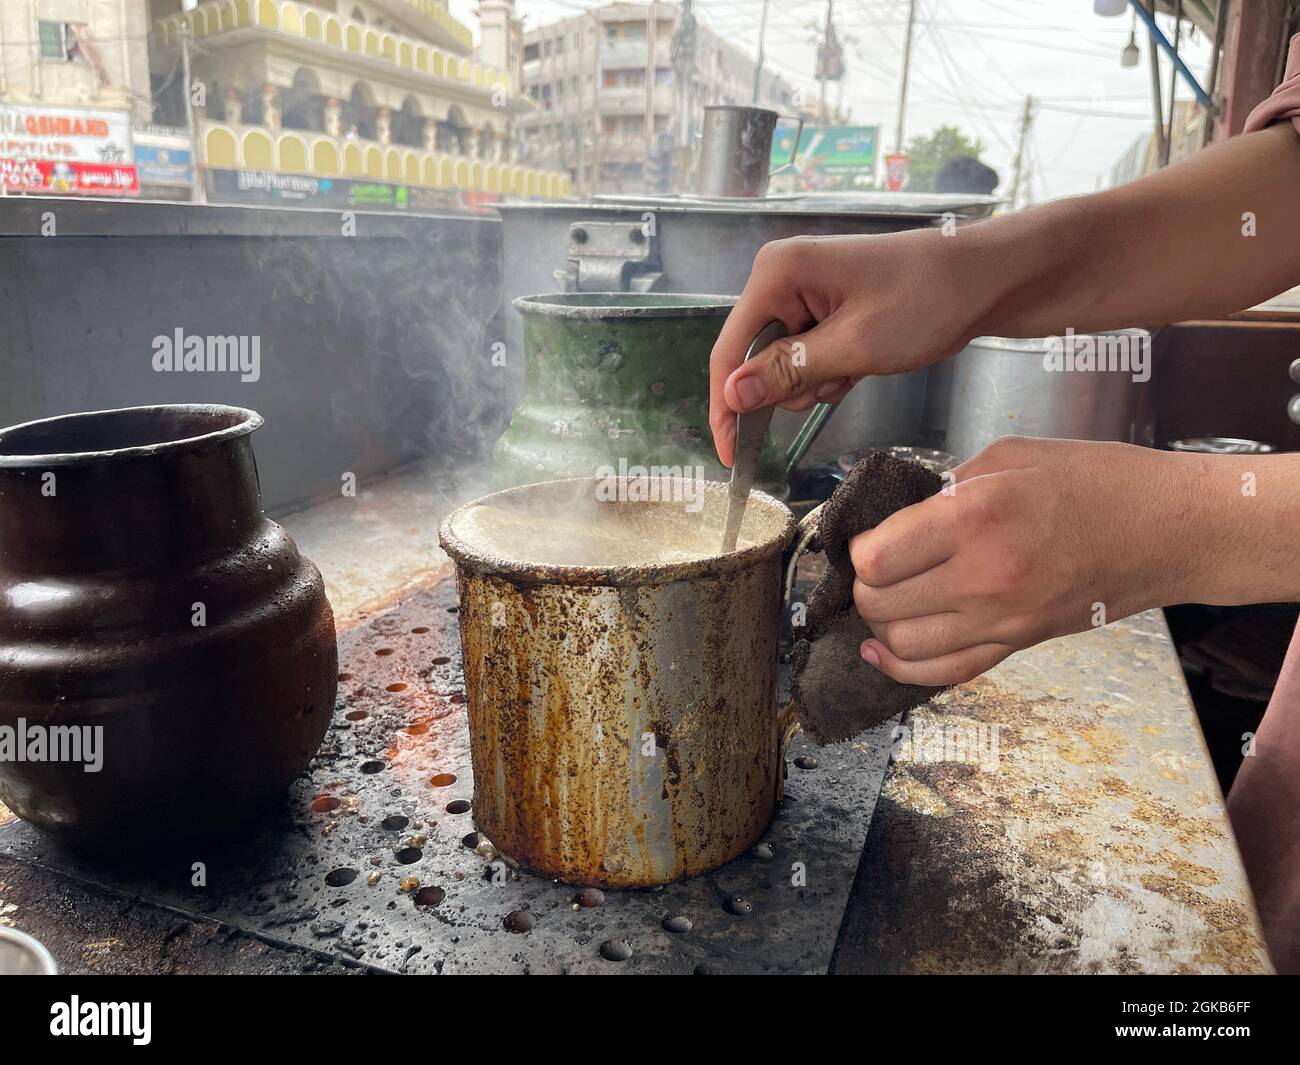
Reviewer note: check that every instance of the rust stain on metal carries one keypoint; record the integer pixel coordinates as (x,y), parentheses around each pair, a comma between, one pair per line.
(579,726)
(623,722)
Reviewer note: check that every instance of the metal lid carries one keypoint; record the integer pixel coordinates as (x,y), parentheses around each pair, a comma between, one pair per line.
(603,306)
(1038,345)
(861,205)
(738,107)
(1220,445)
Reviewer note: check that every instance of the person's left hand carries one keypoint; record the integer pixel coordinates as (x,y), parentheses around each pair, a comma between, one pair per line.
(1035,539)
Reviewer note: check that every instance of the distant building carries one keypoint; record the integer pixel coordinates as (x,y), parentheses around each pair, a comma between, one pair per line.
(74,78)
(292,97)
(595,78)
(76,54)
(1143,155)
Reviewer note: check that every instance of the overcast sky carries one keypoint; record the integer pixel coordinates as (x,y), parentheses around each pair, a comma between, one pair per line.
(973,63)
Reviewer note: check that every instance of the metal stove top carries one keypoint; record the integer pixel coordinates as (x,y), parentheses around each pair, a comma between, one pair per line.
(373,857)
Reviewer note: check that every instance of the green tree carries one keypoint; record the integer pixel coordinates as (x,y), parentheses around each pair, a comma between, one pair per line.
(926,155)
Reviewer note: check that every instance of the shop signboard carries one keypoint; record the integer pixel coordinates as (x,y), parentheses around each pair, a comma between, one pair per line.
(269,188)
(830,157)
(66,150)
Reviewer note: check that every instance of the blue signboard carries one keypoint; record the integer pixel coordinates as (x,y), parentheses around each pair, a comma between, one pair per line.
(164,166)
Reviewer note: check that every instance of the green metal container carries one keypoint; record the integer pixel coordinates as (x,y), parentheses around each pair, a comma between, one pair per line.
(617,380)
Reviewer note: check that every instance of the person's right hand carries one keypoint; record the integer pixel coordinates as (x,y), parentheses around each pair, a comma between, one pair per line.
(855,306)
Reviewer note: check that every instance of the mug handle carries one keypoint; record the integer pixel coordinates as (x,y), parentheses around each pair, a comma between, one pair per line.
(798,136)
(805,533)
(787,723)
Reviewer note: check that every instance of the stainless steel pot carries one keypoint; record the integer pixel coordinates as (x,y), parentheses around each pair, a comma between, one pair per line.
(623,720)
(1007,387)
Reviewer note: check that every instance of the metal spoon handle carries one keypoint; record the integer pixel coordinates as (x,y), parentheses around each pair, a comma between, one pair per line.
(751,431)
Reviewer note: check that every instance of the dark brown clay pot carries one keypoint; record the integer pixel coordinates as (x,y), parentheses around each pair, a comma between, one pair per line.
(115,526)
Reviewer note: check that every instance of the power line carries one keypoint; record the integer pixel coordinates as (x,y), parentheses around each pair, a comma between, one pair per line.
(1096,114)
(1078,125)
(961,87)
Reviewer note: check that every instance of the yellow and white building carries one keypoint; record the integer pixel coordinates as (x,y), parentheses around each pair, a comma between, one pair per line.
(375,90)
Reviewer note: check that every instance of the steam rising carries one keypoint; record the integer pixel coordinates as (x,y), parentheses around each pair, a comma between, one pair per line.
(452,398)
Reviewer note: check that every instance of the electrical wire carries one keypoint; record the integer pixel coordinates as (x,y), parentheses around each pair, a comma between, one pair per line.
(1096,114)
(961,87)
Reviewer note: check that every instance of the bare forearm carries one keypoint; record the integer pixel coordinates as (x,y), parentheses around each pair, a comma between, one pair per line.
(1226,529)
(1039,534)
(1214,234)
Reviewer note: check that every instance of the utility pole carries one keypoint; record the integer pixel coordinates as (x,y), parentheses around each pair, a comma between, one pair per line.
(758,66)
(907,71)
(1214,114)
(578,63)
(824,61)
(598,115)
(1025,121)
(1162,149)
(200,194)
(683,58)
(683,61)
(649,130)
(1167,141)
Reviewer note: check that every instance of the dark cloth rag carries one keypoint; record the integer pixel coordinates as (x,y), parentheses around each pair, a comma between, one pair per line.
(837,694)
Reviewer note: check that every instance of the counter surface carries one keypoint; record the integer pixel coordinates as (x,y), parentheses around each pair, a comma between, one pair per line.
(1059,814)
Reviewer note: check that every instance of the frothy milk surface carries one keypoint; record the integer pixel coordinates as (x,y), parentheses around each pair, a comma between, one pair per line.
(589,533)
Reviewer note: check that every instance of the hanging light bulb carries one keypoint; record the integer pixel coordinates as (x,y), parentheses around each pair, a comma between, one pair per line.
(1109,8)
(1130,55)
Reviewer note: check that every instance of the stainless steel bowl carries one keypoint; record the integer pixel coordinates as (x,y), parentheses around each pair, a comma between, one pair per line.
(1220,445)
(21,955)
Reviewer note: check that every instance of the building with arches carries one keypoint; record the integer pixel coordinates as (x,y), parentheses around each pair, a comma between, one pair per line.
(363,90)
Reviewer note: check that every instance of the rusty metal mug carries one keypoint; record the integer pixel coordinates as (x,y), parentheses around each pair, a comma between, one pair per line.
(623,720)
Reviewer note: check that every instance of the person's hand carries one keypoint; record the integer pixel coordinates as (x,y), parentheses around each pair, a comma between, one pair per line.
(1034,539)
(855,305)
(1164,248)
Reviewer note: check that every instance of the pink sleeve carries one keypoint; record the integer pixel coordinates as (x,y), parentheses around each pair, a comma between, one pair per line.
(1285,101)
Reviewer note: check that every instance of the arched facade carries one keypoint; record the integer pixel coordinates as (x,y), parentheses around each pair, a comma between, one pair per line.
(451,131)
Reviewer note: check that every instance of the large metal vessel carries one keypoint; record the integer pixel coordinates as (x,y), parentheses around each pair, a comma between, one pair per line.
(145,597)
(686,244)
(1051,387)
